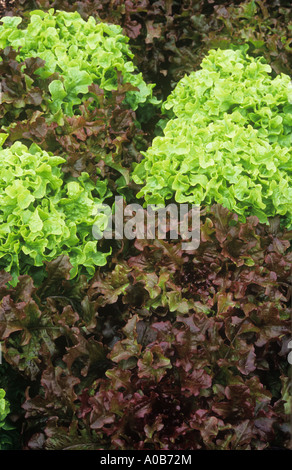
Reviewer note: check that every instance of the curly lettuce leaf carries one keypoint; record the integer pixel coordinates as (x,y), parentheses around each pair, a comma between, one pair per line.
(43,217)
(228,142)
(231,81)
(80,52)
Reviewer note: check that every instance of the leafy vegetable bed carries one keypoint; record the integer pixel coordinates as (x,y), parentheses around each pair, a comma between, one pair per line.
(139,343)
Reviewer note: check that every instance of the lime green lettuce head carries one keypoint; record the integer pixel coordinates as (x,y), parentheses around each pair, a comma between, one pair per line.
(81,52)
(229,140)
(234,83)
(42,217)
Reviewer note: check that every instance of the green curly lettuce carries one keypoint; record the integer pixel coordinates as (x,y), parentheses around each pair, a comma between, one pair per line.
(80,52)
(217,148)
(232,82)
(43,217)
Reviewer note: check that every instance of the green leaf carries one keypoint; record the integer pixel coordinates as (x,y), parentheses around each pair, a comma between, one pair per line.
(225,141)
(44,217)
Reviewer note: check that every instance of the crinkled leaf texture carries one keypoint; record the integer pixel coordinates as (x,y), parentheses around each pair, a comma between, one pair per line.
(102,138)
(81,52)
(229,140)
(198,355)
(231,81)
(43,217)
(169,350)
